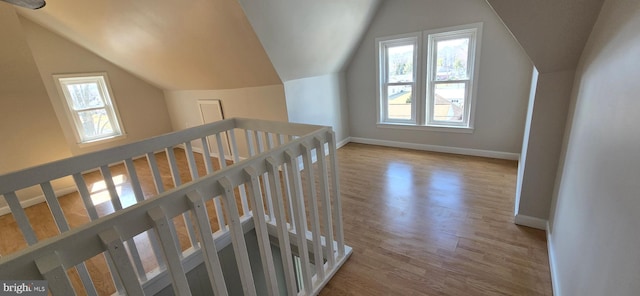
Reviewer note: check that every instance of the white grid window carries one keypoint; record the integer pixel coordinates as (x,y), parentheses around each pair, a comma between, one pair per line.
(427,79)
(90,106)
(398,68)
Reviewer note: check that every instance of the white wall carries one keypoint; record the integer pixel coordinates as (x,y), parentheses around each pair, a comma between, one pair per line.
(594,229)
(525,140)
(542,145)
(319,100)
(503,82)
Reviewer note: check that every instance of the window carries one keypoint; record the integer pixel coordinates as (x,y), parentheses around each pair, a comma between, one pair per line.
(427,79)
(90,106)
(398,67)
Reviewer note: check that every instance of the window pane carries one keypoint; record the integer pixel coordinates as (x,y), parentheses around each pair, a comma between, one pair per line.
(399,102)
(95,124)
(85,95)
(451,59)
(448,103)
(400,63)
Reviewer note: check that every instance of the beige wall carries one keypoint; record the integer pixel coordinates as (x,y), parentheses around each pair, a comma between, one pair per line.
(141,105)
(33,128)
(503,82)
(263,102)
(595,218)
(29,130)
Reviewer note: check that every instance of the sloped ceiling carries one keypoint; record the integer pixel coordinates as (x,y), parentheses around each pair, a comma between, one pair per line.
(221,44)
(553,33)
(176,45)
(309,38)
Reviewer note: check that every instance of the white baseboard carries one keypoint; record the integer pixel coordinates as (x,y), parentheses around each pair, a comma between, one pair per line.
(345,141)
(555,283)
(532,222)
(436,148)
(36,200)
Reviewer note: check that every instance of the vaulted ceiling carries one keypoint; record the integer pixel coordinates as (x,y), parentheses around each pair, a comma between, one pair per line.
(309,38)
(210,44)
(553,33)
(196,44)
(220,44)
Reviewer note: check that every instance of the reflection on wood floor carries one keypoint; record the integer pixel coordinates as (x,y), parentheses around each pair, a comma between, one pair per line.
(420,223)
(76,215)
(424,223)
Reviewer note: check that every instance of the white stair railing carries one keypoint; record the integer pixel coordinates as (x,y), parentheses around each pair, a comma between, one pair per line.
(294,205)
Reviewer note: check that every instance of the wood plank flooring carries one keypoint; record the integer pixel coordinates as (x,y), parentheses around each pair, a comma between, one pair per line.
(420,223)
(424,223)
(76,214)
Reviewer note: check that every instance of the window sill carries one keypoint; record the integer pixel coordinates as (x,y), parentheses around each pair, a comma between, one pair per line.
(101,141)
(445,129)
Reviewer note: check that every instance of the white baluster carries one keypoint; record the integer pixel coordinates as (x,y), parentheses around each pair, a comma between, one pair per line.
(113,243)
(207,245)
(281,225)
(326,202)
(313,204)
(237,238)
(51,268)
(337,208)
(216,200)
(172,254)
(300,219)
(261,232)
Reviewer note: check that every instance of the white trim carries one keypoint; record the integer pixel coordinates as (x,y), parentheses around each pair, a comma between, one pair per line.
(436,148)
(424,69)
(37,199)
(382,43)
(555,282)
(433,128)
(532,222)
(110,106)
(430,39)
(340,261)
(102,141)
(345,141)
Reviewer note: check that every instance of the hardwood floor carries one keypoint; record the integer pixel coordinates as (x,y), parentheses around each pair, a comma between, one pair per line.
(420,223)
(44,226)
(424,223)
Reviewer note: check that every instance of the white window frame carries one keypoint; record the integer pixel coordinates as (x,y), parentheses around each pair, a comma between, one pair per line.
(382,44)
(423,87)
(73,116)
